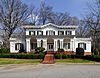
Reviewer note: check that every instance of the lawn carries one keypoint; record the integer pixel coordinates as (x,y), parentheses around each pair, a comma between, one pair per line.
(37,61)
(73,61)
(19,61)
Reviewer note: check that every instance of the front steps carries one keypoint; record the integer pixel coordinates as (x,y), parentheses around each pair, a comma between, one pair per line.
(49,58)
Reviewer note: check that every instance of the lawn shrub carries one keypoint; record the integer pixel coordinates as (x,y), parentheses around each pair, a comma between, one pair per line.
(96,58)
(57,56)
(39,49)
(4,50)
(41,55)
(63,56)
(79,51)
(60,50)
(22,56)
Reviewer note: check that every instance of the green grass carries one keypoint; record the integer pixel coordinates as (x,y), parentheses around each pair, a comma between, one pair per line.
(37,61)
(73,61)
(19,61)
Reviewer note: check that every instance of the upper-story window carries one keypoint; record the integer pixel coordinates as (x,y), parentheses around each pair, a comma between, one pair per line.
(50,32)
(39,32)
(31,32)
(60,32)
(68,32)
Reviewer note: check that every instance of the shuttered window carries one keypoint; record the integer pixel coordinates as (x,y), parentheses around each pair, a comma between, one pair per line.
(82,45)
(19,46)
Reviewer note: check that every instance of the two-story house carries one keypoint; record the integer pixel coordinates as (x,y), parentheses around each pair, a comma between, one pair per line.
(51,37)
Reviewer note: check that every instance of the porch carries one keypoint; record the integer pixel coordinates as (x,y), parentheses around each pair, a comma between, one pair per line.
(50,44)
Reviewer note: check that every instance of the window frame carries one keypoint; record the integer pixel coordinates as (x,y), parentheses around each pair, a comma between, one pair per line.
(68,45)
(68,32)
(82,45)
(50,32)
(39,32)
(60,32)
(19,46)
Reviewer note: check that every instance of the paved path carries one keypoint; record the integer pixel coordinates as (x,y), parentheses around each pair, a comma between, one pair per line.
(50,71)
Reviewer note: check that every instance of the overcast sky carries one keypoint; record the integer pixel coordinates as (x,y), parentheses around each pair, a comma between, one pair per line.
(74,7)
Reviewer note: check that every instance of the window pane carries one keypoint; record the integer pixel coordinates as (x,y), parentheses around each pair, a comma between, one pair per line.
(50,32)
(68,45)
(60,32)
(18,46)
(82,45)
(51,46)
(32,32)
(68,32)
(29,32)
(40,32)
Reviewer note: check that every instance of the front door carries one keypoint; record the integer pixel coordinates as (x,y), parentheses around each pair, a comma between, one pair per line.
(50,47)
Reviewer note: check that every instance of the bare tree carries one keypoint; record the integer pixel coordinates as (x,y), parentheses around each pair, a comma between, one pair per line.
(12,14)
(73,20)
(59,18)
(93,22)
(44,13)
(34,13)
(63,19)
(83,30)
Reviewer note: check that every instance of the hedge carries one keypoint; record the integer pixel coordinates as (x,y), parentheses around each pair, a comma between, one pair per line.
(4,50)
(63,56)
(88,57)
(22,56)
(41,56)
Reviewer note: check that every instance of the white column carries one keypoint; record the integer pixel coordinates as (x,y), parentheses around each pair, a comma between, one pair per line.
(64,32)
(35,32)
(61,43)
(38,43)
(72,45)
(28,44)
(55,45)
(45,44)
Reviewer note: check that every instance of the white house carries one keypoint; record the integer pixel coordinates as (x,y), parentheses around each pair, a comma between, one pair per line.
(51,37)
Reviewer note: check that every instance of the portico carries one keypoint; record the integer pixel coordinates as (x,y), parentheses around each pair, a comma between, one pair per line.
(50,44)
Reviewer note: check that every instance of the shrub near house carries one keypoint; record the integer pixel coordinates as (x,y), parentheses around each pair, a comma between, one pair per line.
(79,51)
(4,50)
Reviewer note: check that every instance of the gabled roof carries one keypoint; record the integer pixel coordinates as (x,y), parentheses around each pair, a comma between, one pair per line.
(49,24)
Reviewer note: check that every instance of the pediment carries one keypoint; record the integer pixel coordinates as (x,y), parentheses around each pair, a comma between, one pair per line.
(50,25)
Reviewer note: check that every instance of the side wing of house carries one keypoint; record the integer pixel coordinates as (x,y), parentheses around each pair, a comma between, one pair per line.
(84,43)
(16,44)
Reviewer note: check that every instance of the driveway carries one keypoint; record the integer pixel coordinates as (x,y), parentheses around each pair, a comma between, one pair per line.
(50,71)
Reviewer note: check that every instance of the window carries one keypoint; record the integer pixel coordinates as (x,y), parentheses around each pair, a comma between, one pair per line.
(50,32)
(68,32)
(82,45)
(68,45)
(39,32)
(60,32)
(58,43)
(31,32)
(41,43)
(19,46)
(33,45)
